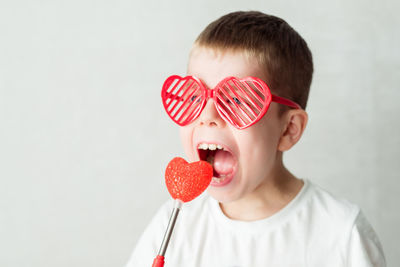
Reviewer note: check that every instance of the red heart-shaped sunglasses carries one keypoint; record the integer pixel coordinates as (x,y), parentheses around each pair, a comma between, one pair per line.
(240,102)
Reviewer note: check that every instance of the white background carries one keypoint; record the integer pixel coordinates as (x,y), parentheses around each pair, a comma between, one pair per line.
(84,139)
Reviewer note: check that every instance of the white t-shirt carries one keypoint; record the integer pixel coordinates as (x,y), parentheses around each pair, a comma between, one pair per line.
(315,230)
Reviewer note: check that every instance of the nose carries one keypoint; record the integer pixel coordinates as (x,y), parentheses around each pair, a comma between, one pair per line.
(210,116)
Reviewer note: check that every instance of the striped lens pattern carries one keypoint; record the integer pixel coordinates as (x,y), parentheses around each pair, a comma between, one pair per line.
(183,98)
(242,102)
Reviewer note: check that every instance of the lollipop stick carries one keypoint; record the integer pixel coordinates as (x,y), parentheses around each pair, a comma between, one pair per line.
(159,260)
(185,181)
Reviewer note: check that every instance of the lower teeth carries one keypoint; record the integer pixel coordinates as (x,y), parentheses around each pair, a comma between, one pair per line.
(218,180)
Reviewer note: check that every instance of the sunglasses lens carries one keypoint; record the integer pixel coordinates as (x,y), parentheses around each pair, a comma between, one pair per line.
(242,102)
(182,99)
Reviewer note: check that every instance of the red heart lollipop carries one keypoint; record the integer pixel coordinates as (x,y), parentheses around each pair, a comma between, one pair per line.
(186,181)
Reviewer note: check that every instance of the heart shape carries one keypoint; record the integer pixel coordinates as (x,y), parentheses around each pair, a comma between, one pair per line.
(186,181)
(176,95)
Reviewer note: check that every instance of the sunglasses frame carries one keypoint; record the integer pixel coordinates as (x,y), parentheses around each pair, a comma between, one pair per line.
(214,94)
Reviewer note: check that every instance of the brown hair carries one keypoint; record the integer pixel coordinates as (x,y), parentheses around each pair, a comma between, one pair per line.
(277,47)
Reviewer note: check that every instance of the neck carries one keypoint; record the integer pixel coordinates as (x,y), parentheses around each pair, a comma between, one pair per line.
(277,190)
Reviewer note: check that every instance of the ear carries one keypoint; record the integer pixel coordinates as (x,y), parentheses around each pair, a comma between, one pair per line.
(295,123)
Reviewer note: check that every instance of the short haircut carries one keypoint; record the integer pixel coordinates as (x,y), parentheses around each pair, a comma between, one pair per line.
(277,47)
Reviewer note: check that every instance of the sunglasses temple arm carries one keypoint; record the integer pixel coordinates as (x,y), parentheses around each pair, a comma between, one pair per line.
(285,101)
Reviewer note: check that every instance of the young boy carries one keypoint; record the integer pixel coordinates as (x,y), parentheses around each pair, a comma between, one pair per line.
(255,212)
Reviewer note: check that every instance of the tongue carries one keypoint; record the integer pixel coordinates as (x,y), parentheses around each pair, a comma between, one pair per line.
(223,162)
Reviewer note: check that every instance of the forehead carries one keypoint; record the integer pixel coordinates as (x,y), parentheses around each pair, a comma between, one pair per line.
(213,65)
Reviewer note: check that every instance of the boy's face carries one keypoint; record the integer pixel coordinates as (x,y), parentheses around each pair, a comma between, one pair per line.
(249,156)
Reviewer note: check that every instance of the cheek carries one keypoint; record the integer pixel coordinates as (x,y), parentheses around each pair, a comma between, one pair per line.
(186,140)
(259,142)
(268,129)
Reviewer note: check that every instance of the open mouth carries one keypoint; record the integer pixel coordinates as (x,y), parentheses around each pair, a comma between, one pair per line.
(222,160)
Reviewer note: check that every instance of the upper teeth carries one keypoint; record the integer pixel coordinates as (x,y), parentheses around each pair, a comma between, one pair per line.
(206,146)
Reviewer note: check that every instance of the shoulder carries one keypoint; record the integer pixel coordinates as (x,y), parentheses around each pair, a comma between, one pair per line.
(327,219)
(336,210)
(343,226)
(150,240)
(364,247)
